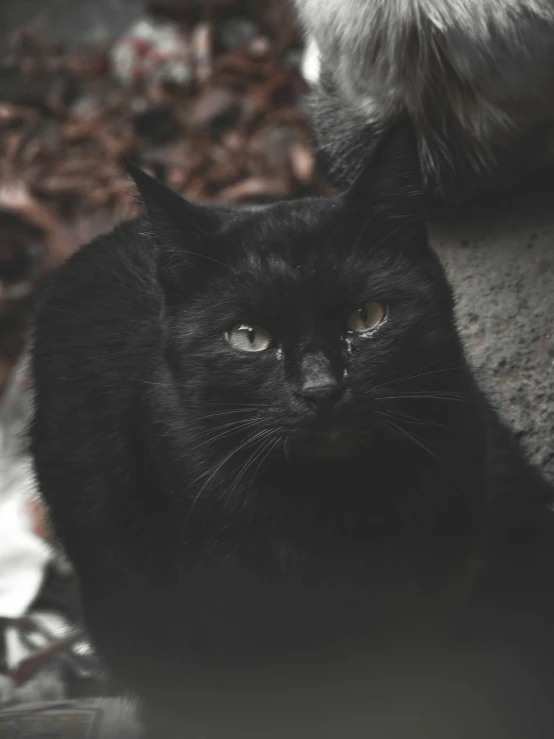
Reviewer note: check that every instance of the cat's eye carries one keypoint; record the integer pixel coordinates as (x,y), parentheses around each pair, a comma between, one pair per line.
(367,317)
(247,337)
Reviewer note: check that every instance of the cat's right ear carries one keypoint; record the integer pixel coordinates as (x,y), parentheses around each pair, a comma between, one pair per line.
(390,183)
(169,214)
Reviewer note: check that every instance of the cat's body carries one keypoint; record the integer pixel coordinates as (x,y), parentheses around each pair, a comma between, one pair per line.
(282,542)
(475,76)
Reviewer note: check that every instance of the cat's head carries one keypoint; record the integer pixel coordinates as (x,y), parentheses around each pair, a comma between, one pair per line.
(313,320)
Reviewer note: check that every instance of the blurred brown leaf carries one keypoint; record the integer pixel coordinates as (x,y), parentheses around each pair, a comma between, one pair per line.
(233,133)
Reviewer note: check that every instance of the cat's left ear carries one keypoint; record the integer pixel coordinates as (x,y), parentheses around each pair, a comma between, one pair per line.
(390,183)
(168,213)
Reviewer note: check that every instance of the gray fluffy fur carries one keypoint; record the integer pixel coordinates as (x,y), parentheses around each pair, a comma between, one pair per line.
(474,75)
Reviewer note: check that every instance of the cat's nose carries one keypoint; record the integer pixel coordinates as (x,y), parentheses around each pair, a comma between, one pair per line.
(320,392)
(318,382)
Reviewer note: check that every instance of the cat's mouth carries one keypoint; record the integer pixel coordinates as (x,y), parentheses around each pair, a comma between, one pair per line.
(334,441)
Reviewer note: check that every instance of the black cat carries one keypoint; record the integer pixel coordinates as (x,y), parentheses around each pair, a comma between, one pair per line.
(291,510)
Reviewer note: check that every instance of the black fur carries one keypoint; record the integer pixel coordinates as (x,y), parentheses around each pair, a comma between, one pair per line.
(395,579)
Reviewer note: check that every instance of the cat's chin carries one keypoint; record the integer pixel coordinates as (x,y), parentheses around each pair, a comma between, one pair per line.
(334,442)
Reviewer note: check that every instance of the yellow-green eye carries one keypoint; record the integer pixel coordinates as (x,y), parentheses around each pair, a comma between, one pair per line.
(246,337)
(367,317)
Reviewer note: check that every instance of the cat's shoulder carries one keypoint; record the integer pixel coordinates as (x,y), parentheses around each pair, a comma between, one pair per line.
(106,290)
(129,246)
(114,265)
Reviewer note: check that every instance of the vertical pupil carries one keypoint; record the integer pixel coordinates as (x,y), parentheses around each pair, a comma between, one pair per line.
(363,314)
(251,335)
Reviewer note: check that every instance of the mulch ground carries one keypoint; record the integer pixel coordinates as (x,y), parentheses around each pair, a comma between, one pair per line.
(221,120)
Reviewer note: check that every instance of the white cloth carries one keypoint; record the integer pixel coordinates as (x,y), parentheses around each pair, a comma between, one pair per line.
(23,554)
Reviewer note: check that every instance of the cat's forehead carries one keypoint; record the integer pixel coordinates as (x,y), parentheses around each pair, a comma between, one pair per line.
(303,241)
(292,228)
(301,253)
(295,243)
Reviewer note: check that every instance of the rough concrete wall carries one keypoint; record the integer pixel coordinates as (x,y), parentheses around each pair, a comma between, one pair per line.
(502,266)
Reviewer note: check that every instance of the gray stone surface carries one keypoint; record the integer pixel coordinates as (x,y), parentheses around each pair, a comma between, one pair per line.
(501,263)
